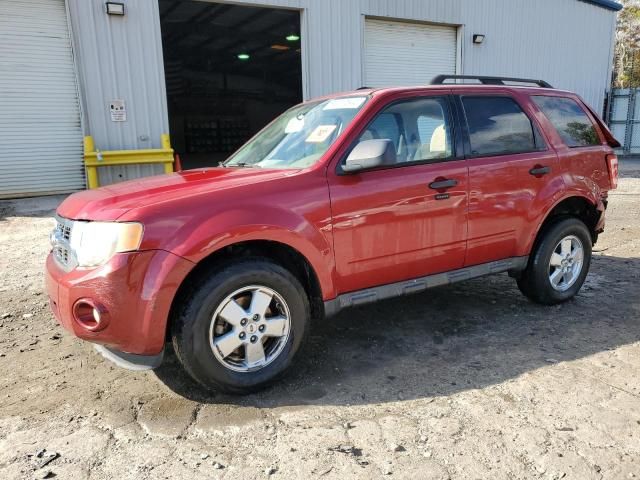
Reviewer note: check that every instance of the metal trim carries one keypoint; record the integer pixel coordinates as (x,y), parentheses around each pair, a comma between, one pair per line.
(408,287)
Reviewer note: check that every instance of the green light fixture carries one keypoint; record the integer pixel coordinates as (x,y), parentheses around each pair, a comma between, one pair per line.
(243,56)
(293,37)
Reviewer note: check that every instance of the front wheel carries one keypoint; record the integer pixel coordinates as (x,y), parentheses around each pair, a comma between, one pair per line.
(242,326)
(559,263)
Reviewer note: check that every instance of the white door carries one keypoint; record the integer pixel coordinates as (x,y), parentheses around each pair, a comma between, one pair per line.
(402,54)
(40,133)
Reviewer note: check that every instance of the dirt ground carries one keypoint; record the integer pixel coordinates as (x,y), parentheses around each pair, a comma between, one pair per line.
(470,381)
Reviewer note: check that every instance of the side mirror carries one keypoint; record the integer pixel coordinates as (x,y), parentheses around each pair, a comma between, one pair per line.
(370,154)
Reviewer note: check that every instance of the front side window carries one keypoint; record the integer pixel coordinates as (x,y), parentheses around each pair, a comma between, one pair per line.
(498,126)
(419,129)
(569,119)
(300,136)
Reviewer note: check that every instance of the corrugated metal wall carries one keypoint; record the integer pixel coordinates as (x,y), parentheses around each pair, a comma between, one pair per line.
(121,58)
(567,42)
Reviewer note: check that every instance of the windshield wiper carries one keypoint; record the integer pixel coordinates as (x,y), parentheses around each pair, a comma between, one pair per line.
(244,165)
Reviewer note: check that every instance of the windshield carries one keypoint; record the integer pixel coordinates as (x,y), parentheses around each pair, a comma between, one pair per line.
(300,136)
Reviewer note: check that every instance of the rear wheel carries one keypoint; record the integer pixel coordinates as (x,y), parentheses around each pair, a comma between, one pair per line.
(559,263)
(242,326)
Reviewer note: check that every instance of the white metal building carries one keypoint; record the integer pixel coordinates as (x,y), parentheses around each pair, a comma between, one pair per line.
(211,73)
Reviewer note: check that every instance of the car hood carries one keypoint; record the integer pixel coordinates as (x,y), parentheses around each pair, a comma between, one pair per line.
(111,202)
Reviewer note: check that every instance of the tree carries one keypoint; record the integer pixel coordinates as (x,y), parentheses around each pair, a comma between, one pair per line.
(627,54)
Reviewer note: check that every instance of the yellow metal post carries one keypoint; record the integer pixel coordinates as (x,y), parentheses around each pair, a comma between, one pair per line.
(92,170)
(165,143)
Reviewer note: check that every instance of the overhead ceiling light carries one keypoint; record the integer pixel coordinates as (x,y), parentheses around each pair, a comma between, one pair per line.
(244,56)
(279,47)
(478,38)
(115,8)
(293,37)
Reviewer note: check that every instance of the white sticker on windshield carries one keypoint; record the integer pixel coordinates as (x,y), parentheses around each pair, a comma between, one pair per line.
(321,133)
(345,103)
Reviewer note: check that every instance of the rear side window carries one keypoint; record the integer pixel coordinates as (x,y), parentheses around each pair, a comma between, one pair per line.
(569,119)
(498,126)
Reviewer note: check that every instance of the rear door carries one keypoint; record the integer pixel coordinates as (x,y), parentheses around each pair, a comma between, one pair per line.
(512,174)
(395,224)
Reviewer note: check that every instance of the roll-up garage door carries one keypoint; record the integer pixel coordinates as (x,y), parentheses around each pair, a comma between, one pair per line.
(399,53)
(40,133)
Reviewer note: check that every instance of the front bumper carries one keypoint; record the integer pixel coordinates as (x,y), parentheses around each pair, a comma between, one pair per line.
(134,289)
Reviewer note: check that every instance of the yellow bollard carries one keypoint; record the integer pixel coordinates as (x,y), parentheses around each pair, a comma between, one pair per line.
(92,171)
(165,144)
(165,141)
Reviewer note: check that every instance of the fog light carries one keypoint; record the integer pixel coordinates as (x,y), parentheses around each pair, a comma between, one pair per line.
(90,315)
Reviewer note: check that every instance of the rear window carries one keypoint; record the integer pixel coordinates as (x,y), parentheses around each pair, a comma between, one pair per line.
(569,119)
(498,126)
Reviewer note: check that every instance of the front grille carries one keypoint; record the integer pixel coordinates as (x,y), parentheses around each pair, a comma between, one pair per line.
(63,229)
(60,242)
(62,254)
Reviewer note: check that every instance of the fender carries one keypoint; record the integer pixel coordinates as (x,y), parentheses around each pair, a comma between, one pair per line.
(567,194)
(537,209)
(237,205)
(198,236)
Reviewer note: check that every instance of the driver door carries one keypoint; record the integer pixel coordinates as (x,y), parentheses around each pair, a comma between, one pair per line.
(393,224)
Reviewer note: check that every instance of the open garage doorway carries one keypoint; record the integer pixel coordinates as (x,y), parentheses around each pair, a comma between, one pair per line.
(229,70)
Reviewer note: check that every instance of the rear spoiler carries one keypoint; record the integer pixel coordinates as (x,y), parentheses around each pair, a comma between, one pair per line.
(611,140)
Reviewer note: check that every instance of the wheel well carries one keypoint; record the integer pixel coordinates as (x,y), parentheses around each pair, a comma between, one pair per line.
(280,253)
(578,207)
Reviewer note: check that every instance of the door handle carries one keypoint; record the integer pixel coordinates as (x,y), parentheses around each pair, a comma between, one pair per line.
(538,171)
(443,184)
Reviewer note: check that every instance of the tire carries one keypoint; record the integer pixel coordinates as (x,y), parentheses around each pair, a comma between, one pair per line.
(202,341)
(536,281)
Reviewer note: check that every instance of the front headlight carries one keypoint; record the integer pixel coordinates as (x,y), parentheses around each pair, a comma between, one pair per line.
(94,243)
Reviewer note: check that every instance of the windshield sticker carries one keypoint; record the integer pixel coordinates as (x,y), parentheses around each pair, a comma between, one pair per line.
(320,134)
(345,103)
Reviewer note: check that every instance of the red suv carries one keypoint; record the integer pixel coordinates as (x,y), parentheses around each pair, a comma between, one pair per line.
(340,201)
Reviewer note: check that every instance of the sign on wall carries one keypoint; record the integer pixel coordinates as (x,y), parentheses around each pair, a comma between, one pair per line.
(118,111)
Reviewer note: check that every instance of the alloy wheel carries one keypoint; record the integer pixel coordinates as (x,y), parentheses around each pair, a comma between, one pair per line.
(250,328)
(566,263)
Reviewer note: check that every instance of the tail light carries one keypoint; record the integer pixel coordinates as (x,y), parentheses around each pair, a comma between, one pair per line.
(612,165)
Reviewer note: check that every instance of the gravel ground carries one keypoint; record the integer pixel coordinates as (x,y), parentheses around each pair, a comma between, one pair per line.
(468,381)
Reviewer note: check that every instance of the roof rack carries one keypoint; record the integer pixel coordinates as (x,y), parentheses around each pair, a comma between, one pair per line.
(440,80)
